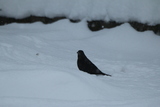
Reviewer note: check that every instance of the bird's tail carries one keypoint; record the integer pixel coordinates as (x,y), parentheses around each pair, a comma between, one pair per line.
(106,74)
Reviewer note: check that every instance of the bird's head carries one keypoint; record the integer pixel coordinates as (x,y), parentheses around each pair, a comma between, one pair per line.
(80,52)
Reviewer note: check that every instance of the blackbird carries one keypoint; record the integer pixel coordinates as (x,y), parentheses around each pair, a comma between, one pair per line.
(84,64)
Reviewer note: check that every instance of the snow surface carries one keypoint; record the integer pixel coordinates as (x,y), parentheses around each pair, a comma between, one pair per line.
(38,66)
(144,11)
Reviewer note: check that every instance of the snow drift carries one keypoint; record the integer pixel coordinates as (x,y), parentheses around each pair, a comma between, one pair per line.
(143,11)
(38,66)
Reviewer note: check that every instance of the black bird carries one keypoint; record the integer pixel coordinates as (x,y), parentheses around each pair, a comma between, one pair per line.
(84,64)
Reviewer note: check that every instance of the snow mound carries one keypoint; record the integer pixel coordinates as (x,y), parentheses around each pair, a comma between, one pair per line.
(144,11)
(38,66)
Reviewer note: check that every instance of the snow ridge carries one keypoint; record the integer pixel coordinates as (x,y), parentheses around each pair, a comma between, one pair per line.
(143,11)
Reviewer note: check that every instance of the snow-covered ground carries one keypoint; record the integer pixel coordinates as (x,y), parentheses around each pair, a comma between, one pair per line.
(38,62)
(38,66)
(143,11)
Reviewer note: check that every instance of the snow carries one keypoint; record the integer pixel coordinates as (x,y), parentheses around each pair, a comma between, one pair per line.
(38,66)
(38,62)
(144,11)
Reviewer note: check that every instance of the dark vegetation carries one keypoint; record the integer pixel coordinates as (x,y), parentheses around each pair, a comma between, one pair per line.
(94,25)
(99,24)
(31,19)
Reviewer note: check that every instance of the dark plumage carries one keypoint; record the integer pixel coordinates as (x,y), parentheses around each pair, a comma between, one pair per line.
(84,64)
